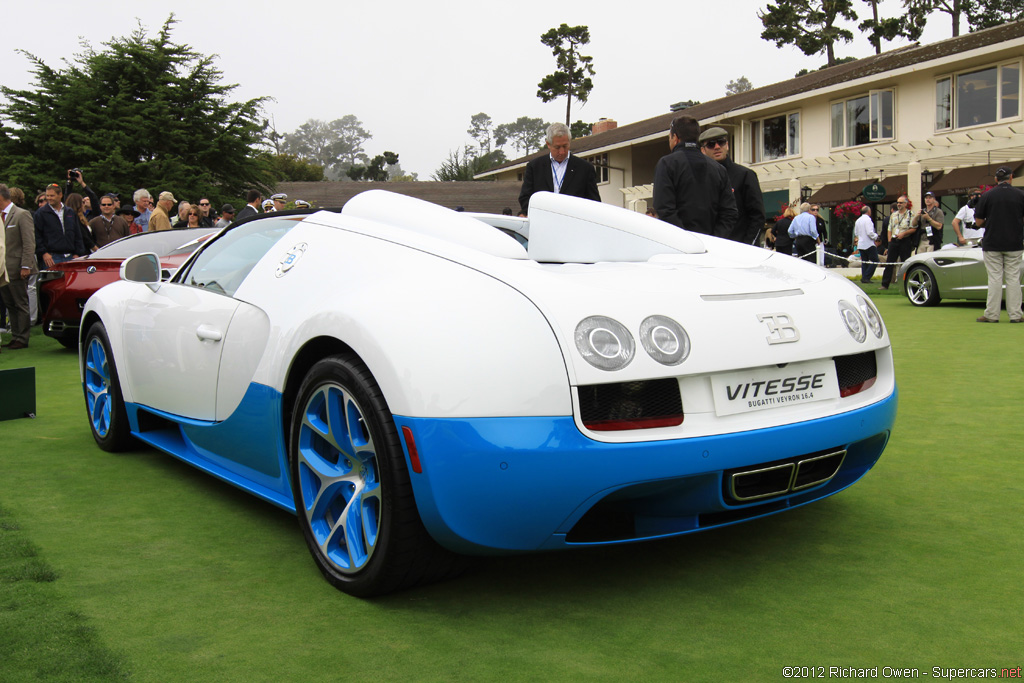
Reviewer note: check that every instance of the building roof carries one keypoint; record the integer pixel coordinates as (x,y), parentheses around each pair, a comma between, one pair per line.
(474,196)
(823,78)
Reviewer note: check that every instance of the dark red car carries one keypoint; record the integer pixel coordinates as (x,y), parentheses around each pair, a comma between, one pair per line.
(64,289)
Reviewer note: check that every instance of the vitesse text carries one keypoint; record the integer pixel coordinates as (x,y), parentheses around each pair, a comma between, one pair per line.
(776,387)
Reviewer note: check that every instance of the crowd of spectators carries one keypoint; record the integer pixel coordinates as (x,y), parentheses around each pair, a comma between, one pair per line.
(72,220)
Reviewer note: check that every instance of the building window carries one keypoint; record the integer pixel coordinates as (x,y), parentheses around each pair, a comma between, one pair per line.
(775,137)
(600,162)
(864,119)
(978,97)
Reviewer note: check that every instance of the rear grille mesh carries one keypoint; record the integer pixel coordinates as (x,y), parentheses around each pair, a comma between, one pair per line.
(856,373)
(631,405)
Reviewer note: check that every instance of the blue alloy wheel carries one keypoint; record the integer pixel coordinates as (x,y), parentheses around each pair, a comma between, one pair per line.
(338,476)
(104,404)
(351,485)
(97,387)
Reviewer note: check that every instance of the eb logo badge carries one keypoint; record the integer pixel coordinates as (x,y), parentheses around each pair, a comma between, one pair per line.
(781,327)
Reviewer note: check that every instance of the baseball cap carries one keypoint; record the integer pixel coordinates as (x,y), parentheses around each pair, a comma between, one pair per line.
(1003,172)
(166,196)
(227,208)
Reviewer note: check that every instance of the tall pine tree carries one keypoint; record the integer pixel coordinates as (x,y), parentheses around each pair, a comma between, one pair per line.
(142,112)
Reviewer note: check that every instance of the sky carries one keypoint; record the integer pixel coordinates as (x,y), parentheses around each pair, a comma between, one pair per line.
(414,72)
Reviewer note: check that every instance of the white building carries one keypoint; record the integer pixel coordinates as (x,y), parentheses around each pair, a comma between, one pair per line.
(941,117)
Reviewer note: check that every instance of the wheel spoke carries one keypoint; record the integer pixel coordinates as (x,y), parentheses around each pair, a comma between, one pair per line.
(338,477)
(97,387)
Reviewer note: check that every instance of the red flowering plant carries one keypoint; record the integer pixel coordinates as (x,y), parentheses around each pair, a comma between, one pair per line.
(782,211)
(849,209)
(846,213)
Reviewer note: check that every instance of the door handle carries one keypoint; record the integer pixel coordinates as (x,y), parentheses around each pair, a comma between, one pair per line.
(209,333)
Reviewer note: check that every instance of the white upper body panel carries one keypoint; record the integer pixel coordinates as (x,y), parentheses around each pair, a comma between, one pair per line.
(456,319)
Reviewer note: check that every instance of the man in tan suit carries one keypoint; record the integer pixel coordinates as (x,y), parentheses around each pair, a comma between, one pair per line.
(20,263)
(161,220)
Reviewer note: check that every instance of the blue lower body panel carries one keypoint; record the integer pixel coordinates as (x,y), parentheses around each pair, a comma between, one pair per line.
(513,484)
(247,449)
(529,483)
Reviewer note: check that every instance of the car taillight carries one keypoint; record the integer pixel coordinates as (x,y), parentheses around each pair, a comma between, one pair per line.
(47,275)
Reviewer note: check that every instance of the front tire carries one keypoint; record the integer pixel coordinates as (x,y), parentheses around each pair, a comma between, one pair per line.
(351,486)
(921,288)
(104,403)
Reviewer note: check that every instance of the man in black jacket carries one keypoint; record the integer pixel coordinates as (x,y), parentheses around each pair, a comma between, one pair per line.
(58,235)
(691,191)
(558,171)
(745,186)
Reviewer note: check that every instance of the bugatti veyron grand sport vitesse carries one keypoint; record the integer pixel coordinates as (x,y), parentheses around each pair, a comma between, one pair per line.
(418,384)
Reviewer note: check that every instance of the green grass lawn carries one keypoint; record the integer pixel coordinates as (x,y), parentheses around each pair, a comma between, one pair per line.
(138,567)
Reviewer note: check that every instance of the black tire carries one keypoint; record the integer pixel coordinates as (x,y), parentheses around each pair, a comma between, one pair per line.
(68,342)
(347,463)
(921,288)
(104,404)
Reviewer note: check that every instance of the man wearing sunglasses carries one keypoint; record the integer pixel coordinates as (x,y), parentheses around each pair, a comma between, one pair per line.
(714,143)
(108,227)
(205,219)
(902,239)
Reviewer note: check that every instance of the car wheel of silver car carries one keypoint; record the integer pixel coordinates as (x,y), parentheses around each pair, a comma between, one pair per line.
(104,403)
(921,287)
(351,485)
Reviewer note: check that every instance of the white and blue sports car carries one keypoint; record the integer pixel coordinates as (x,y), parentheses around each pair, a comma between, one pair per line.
(418,384)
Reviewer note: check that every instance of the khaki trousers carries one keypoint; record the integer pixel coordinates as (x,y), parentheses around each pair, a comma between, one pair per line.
(1003,266)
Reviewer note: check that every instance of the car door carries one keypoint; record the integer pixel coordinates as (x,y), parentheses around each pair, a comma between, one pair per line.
(173,340)
(176,332)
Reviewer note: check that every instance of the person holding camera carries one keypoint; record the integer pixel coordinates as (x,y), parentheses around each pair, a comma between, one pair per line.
(91,202)
(963,222)
(930,221)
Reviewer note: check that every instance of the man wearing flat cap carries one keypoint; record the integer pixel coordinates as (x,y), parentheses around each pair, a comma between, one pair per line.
(691,191)
(161,220)
(1001,212)
(714,143)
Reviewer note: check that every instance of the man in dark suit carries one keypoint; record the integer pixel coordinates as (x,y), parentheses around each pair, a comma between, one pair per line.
(252,207)
(558,171)
(20,239)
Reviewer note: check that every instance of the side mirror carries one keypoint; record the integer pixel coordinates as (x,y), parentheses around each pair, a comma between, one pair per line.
(143,268)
